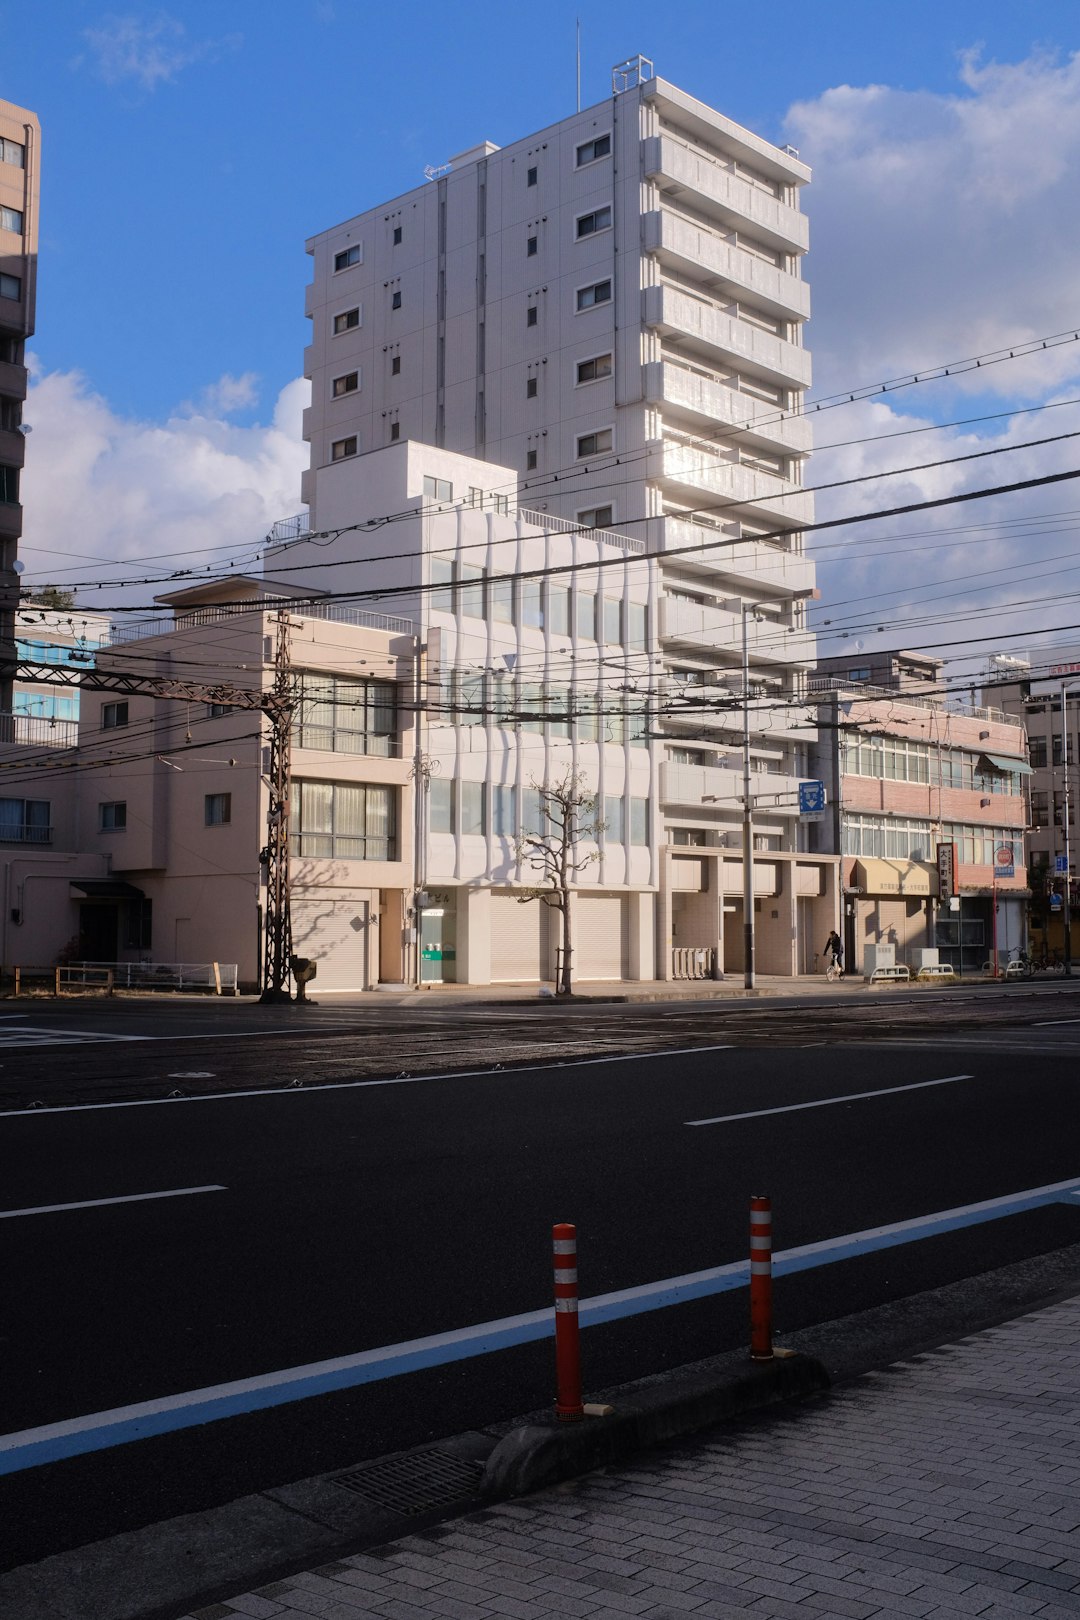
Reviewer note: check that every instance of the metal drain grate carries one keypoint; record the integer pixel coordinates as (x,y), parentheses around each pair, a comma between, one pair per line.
(414,1483)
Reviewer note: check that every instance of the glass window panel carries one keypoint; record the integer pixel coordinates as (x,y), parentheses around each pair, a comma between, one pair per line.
(349,811)
(471,591)
(504,820)
(639,821)
(442,579)
(441,806)
(501,599)
(533,820)
(558,609)
(613,819)
(532,605)
(586,615)
(636,625)
(472,807)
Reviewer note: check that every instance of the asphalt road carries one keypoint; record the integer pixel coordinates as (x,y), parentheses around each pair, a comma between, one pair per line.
(363,1210)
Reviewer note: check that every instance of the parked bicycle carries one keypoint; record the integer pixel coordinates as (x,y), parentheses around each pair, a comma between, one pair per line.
(1050,961)
(1018,965)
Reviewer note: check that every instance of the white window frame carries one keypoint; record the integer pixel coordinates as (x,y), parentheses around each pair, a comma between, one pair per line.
(590,359)
(587,286)
(593,433)
(338,313)
(353,247)
(597,230)
(586,163)
(346,455)
(344,393)
(7,214)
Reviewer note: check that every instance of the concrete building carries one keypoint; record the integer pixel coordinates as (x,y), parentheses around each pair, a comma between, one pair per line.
(42,711)
(20,144)
(142,843)
(607,315)
(1040,693)
(906,773)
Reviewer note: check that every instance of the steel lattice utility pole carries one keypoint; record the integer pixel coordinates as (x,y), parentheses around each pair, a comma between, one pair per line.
(277,924)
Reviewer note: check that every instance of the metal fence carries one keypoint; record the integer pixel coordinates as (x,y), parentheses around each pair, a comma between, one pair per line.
(220,977)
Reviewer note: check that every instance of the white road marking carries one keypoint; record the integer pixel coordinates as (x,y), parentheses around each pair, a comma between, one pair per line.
(97,1203)
(68,1037)
(1046,1023)
(357,1085)
(828,1102)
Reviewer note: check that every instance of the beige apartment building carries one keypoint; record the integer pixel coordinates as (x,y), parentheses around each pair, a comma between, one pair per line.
(20,147)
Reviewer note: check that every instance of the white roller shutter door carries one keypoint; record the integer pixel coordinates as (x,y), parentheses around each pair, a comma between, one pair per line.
(600,936)
(334,932)
(517,939)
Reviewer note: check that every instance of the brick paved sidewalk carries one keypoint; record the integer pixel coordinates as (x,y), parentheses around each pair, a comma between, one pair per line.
(945,1486)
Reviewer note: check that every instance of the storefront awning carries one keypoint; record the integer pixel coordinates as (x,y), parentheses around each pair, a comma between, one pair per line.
(888,878)
(1008,762)
(106,889)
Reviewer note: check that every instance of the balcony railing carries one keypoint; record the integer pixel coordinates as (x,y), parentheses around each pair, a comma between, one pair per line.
(603,537)
(38,731)
(25,835)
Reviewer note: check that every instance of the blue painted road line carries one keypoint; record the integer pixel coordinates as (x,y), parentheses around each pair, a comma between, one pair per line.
(98,1431)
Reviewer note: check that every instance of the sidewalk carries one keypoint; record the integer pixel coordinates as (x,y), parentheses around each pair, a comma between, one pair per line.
(948,1485)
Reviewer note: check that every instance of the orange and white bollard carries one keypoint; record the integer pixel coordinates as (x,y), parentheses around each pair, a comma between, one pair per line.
(761,1346)
(568,1403)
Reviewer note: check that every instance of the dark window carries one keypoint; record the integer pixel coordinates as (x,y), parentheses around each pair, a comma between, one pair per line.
(395,430)
(346,320)
(395,366)
(596,517)
(589,151)
(344,821)
(347,257)
(598,293)
(531,246)
(397,235)
(395,301)
(348,384)
(9,485)
(530,461)
(113,714)
(113,816)
(217,809)
(530,177)
(138,924)
(10,286)
(594,444)
(342,448)
(25,821)
(216,711)
(10,414)
(530,315)
(1037,752)
(592,370)
(530,387)
(598,220)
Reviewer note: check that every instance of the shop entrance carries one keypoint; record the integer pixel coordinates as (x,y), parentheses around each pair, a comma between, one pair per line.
(438,945)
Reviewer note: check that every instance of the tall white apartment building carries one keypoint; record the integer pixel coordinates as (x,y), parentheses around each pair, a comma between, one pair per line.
(610,311)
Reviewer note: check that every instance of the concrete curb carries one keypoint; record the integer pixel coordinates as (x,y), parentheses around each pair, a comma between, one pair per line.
(647,1414)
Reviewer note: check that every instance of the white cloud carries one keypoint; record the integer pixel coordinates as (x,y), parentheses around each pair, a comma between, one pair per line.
(228,395)
(943,227)
(104,489)
(150,52)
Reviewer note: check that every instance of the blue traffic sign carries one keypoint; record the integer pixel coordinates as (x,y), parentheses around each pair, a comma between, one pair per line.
(1055,902)
(811,798)
(1061,866)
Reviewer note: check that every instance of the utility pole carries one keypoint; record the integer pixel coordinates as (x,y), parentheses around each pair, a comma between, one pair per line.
(277,922)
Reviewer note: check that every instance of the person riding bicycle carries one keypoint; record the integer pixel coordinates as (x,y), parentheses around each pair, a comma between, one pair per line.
(834,949)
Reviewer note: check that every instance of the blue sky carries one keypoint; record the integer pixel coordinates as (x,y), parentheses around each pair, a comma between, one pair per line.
(189,149)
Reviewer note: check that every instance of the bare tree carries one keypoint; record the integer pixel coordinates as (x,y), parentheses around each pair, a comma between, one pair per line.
(568,818)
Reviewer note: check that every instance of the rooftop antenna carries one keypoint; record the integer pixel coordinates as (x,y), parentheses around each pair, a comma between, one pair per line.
(578,21)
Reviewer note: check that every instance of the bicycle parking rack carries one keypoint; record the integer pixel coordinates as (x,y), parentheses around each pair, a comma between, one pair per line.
(941,970)
(893,975)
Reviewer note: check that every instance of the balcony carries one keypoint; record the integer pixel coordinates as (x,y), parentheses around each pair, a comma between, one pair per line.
(690,470)
(12,447)
(748,565)
(718,192)
(10,520)
(12,380)
(701,326)
(701,627)
(689,248)
(688,711)
(690,786)
(35,731)
(704,399)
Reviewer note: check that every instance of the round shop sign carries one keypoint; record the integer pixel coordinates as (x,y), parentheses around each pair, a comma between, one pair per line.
(1003,855)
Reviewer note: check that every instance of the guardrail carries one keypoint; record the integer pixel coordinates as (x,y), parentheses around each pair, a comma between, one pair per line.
(693,961)
(220,977)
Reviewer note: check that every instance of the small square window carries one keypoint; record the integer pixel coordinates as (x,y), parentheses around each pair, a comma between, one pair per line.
(10,286)
(593,370)
(346,320)
(530,315)
(530,387)
(395,430)
(113,816)
(395,300)
(589,151)
(395,366)
(218,809)
(113,715)
(341,448)
(596,517)
(347,384)
(347,258)
(594,444)
(531,246)
(530,461)
(530,177)
(11,219)
(216,711)
(397,235)
(13,152)
(438,489)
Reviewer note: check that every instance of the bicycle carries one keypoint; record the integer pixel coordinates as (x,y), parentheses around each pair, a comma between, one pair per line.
(1018,966)
(834,970)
